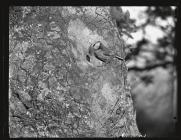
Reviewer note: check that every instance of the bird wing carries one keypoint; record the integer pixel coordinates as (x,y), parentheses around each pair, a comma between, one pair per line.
(101,56)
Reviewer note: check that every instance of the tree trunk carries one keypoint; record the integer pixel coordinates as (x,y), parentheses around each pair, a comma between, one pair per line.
(92,97)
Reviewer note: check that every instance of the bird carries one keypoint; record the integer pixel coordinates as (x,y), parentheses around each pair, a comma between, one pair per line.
(102,53)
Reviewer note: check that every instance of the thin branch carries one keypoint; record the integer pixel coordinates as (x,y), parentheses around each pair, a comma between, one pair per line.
(150,67)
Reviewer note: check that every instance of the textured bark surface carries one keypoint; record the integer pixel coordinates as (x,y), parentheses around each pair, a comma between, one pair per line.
(54,90)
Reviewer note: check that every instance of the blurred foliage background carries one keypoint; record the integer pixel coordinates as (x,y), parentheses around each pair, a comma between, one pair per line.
(152,70)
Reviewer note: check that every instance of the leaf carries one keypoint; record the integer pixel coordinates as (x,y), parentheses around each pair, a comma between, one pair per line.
(127,15)
(117,14)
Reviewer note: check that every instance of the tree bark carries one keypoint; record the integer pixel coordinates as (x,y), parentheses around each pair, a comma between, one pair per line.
(75,96)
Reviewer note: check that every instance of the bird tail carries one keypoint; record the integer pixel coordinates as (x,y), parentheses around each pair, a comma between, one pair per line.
(118,57)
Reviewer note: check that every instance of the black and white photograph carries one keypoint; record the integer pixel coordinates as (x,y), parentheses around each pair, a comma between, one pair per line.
(92,71)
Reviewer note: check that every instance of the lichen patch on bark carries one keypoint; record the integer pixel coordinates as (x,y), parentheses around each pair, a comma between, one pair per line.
(83,38)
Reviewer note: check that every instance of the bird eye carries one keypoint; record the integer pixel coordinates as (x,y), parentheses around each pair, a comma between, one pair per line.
(97,45)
